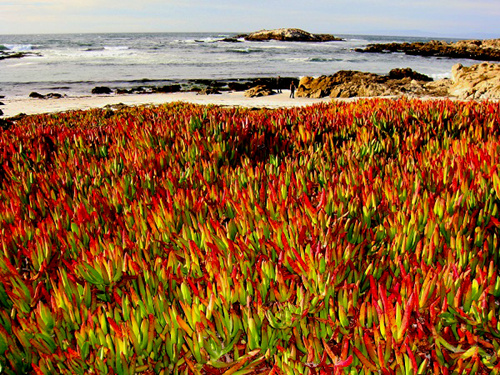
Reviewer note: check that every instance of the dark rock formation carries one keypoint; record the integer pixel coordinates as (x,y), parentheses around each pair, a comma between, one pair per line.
(101,90)
(12,55)
(36,95)
(400,73)
(51,95)
(236,86)
(290,35)
(230,40)
(168,89)
(467,49)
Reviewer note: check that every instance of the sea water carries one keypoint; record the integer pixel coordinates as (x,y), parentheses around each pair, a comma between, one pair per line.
(73,64)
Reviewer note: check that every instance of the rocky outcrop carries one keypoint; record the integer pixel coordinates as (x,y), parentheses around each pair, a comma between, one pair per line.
(101,90)
(480,81)
(51,95)
(261,90)
(168,89)
(348,84)
(15,55)
(290,35)
(230,40)
(399,73)
(467,49)
(209,91)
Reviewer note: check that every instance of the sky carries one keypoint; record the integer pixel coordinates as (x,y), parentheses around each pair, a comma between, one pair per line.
(445,18)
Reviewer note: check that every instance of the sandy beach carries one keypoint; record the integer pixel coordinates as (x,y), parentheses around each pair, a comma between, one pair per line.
(31,106)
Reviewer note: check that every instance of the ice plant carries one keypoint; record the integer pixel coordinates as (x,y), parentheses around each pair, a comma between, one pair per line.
(343,238)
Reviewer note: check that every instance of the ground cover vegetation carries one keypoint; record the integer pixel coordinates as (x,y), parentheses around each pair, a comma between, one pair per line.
(340,238)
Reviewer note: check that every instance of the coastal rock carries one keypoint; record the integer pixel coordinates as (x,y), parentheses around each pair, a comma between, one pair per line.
(480,81)
(101,90)
(261,90)
(168,89)
(230,40)
(347,84)
(209,91)
(439,88)
(343,84)
(36,95)
(290,35)
(467,49)
(236,86)
(51,95)
(13,55)
(400,73)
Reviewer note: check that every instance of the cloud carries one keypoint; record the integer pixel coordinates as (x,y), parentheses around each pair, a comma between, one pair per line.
(345,16)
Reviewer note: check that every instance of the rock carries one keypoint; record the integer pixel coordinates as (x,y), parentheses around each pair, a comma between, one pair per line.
(235,86)
(1,112)
(439,88)
(480,81)
(168,88)
(123,91)
(12,55)
(343,84)
(230,40)
(261,90)
(467,49)
(36,95)
(290,35)
(2,96)
(209,91)
(52,95)
(2,103)
(347,84)
(101,90)
(399,73)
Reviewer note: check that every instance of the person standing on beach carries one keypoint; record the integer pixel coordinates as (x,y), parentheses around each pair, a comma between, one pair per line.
(292,90)
(278,85)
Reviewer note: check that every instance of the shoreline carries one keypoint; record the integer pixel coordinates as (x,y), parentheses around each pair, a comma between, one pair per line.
(32,106)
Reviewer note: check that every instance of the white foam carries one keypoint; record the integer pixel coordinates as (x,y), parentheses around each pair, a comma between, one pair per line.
(19,47)
(116,48)
(437,76)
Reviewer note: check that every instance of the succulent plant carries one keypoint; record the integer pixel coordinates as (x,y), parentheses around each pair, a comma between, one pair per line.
(342,238)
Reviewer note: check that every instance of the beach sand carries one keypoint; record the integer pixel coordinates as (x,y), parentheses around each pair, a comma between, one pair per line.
(31,106)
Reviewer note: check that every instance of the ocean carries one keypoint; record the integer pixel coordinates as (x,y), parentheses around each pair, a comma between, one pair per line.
(72,64)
